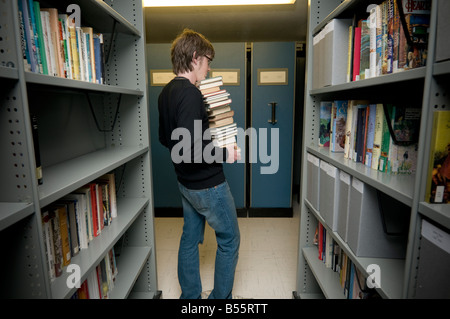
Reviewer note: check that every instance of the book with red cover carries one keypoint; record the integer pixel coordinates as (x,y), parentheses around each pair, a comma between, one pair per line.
(356,53)
(95,221)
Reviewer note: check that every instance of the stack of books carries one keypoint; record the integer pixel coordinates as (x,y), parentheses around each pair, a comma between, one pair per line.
(217,100)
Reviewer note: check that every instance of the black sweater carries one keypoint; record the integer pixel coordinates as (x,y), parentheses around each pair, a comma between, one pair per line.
(180,104)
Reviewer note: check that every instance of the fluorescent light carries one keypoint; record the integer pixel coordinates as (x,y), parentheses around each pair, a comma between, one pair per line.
(189,3)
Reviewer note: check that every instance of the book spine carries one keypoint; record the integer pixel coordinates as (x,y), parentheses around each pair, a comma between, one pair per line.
(385,142)
(376,149)
(29,37)
(37,15)
(348,130)
(373,42)
(325,122)
(23,39)
(438,182)
(370,134)
(364,71)
(350,55)
(384,37)
(357,54)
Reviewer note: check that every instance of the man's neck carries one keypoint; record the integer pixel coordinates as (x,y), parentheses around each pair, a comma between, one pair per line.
(188,75)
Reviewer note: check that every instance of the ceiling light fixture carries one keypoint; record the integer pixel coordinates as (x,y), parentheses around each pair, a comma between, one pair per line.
(190,3)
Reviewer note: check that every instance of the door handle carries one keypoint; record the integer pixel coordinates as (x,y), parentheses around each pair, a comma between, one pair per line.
(273,120)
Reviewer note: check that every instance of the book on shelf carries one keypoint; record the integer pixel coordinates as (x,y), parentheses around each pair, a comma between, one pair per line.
(348,131)
(74,220)
(417,20)
(438,180)
(37,152)
(220,115)
(378,134)
(364,135)
(356,128)
(61,216)
(372,109)
(373,31)
(364,64)
(52,45)
(352,281)
(356,53)
(349,54)
(339,119)
(100,281)
(390,38)
(361,133)
(404,134)
(325,123)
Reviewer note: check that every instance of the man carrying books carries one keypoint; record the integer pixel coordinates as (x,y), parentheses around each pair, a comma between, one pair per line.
(204,190)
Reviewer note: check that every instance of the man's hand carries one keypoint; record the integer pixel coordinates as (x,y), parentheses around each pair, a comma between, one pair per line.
(233,153)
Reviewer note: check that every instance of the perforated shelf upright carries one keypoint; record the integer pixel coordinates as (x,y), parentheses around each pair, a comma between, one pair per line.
(85,130)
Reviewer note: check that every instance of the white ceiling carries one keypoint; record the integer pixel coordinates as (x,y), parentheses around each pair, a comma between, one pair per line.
(230,23)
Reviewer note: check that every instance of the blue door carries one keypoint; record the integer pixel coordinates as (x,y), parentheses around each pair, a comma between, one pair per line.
(272,118)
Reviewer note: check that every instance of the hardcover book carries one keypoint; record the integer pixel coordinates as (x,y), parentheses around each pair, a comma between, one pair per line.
(339,125)
(438,183)
(325,123)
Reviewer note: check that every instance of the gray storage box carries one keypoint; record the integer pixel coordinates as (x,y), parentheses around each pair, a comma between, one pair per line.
(344,198)
(329,189)
(433,280)
(313,173)
(443,31)
(366,236)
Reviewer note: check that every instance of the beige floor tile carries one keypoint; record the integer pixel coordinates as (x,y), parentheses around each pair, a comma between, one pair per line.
(267,257)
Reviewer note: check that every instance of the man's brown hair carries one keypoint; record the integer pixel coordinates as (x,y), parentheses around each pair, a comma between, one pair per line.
(183,48)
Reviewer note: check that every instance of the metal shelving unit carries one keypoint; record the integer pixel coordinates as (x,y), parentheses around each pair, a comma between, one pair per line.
(426,84)
(75,152)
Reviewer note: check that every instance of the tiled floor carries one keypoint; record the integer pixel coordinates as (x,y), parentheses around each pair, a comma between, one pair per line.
(267,257)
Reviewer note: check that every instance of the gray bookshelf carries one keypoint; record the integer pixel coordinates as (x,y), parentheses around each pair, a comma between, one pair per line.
(74,152)
(425,84)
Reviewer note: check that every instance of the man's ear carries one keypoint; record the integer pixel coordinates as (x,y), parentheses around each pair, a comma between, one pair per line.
(194,57)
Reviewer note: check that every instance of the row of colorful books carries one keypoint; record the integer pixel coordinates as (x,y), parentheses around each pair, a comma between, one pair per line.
(362,132)
(384,41)
(372,46)
(52,44)
(351,279)
(100,282)
(72,222)
(220,115)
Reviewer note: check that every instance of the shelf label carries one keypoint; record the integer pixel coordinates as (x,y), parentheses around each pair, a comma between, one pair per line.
(343,176)
(313,159)
(358,185)
(161,77)
(436,235)
(273,76)
(229,76)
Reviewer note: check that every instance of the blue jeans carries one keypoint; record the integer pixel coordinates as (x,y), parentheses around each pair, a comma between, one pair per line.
(216,206)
